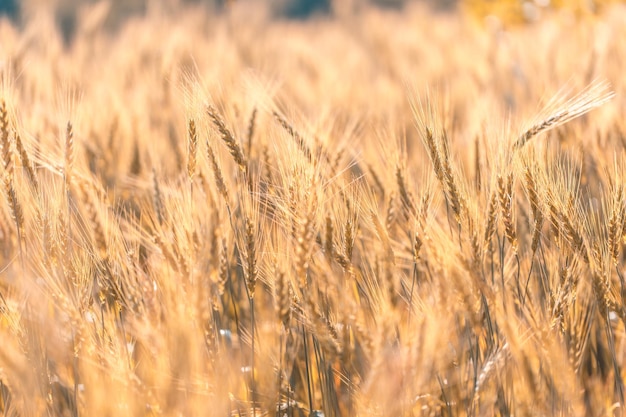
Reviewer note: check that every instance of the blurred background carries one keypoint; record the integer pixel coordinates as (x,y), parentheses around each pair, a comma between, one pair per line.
(506,11)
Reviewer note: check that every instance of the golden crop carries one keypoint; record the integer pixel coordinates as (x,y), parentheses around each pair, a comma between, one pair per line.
(377,212)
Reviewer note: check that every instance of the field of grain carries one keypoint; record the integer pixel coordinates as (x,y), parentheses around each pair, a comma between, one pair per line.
(374,211)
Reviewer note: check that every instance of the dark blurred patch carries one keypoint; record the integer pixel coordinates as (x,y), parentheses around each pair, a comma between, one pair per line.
(389,4)
(301,9)
(9,8)
(442,5)
(67,24)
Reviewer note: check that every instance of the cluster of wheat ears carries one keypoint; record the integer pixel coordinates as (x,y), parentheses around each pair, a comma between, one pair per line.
(376,213)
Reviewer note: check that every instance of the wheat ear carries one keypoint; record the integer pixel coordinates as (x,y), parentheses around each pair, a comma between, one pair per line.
(616,222)
(192,145)
(251,126)
(492,218)
(217,173)
(407,201)
(454,194)
(228,138)
(26,162)
(561,110)
(296,137)
(535,206)
(69,153)
(505,194)
(17,213)
(5,143)
(157,198)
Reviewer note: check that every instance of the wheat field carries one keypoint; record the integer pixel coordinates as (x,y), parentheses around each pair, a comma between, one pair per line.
(377,211)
